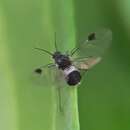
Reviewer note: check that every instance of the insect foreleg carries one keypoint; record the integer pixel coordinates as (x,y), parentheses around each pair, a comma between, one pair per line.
(47,65)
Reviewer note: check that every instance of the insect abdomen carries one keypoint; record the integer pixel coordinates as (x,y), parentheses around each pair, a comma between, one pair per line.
(73,78)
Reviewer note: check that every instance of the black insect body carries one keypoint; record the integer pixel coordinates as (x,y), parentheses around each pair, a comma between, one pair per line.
(90,52)
(72,75)
(62,61)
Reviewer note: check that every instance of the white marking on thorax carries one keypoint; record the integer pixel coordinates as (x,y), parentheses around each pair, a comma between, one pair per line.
(68,70)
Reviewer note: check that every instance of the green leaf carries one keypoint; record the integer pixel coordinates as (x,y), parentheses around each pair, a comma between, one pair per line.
(26,104)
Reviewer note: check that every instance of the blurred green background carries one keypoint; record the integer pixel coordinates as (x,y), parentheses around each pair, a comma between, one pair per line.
(104,99)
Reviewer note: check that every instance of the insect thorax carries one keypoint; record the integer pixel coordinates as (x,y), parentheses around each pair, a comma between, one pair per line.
(62,61)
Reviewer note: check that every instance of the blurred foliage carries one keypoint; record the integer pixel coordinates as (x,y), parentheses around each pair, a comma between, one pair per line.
(104,100)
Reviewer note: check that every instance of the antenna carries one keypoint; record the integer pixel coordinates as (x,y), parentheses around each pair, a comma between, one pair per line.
(55,43)
(40,49)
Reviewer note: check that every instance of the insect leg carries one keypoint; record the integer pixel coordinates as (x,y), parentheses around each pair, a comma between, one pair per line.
(59,100)
(39,69)
(73,51)
(48,65)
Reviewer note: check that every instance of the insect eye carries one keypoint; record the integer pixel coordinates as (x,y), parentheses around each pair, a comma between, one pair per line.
(91,36)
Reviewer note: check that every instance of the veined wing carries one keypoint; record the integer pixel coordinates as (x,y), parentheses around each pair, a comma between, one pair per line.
(95,45)
(48,75)
(86,63)
(43,75)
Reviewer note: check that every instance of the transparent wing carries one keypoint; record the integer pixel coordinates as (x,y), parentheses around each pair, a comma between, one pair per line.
(95,45)
(59,79)
(86,63)
(43,75)
(48,76)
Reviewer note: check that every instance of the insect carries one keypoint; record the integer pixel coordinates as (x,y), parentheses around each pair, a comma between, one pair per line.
(90,52)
